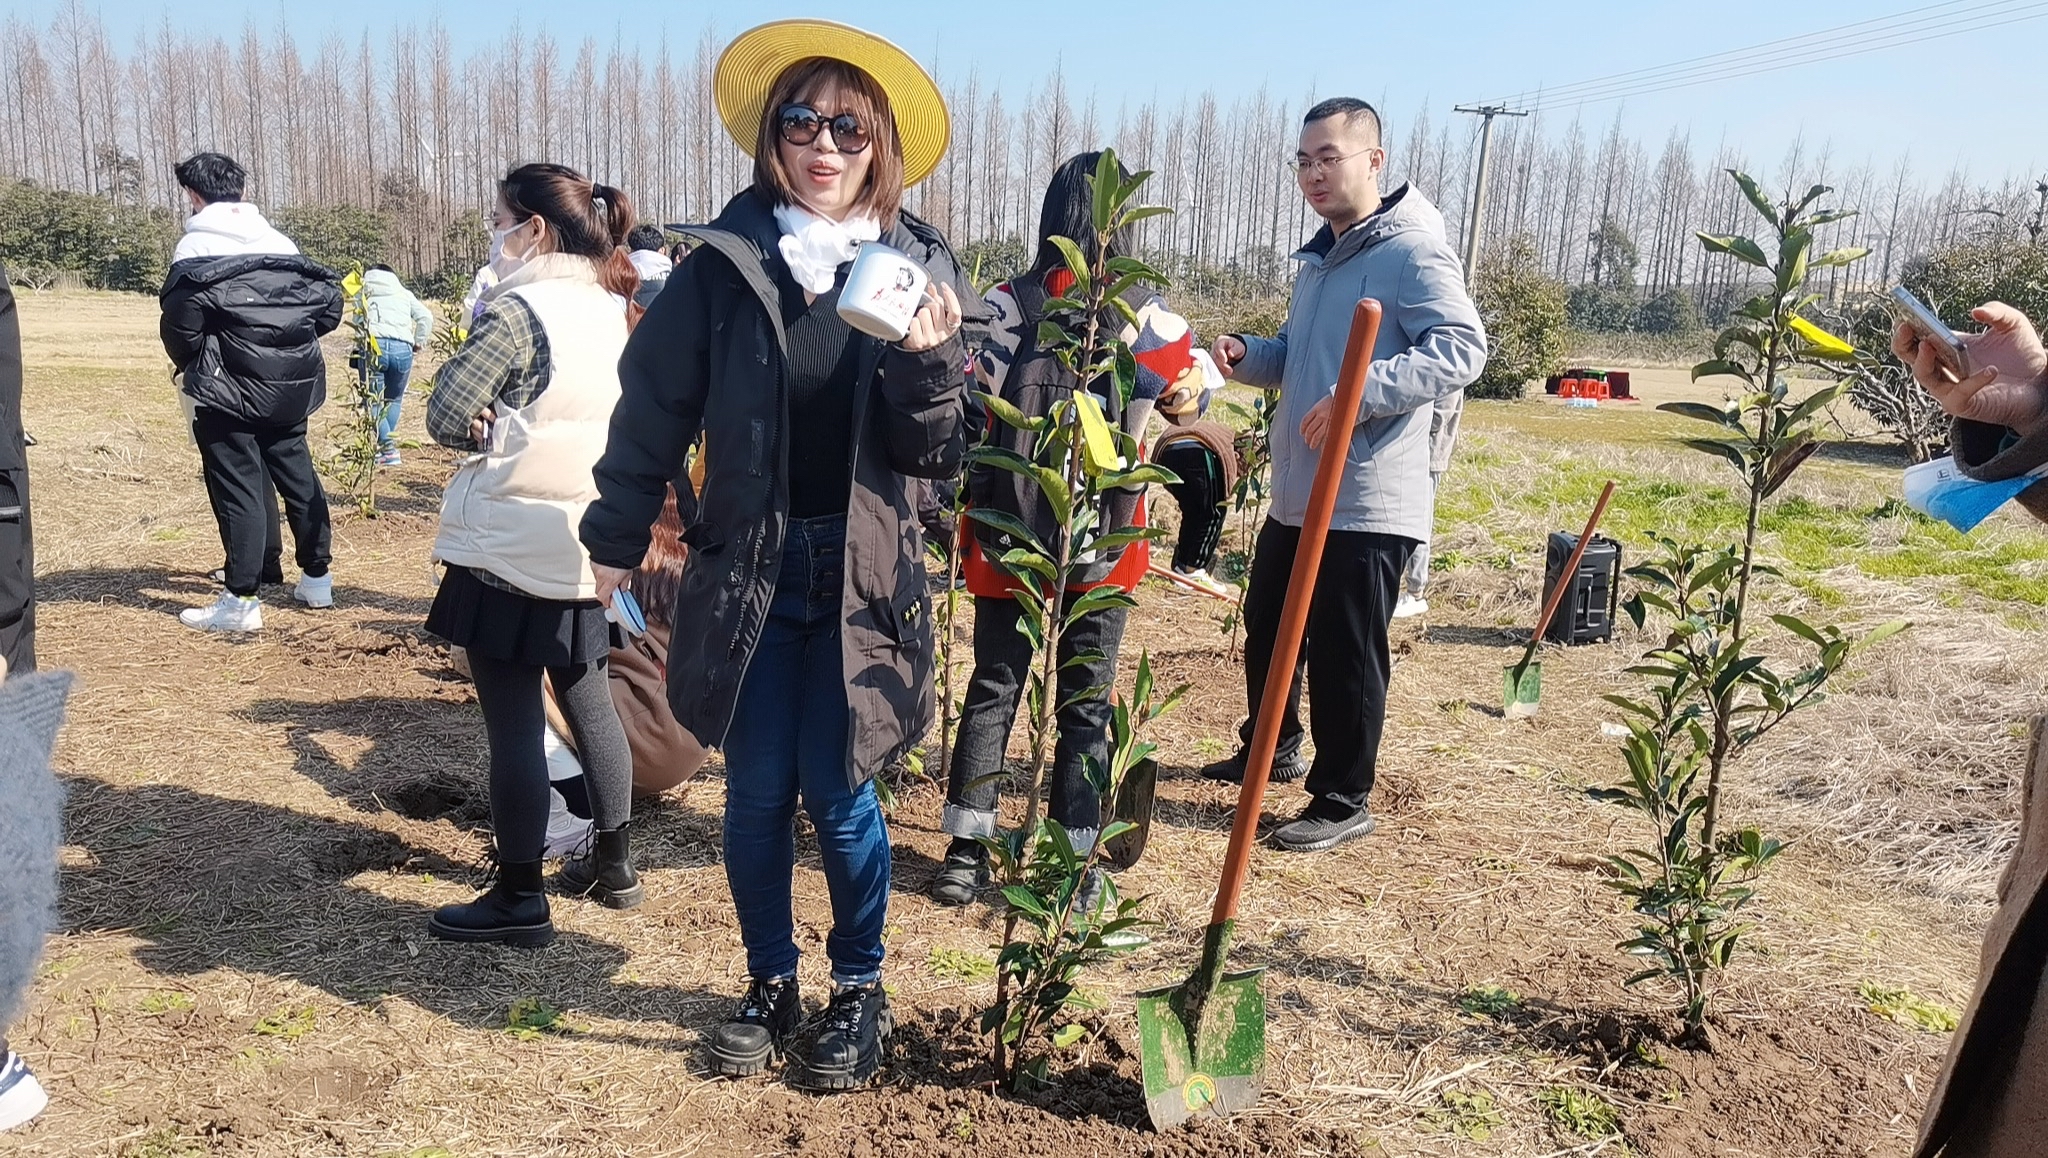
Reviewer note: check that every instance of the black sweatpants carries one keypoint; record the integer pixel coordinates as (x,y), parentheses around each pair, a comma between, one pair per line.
(237,457)
(1344,652)
(1201,498)
(17,575)
(1002,669)
(509,695)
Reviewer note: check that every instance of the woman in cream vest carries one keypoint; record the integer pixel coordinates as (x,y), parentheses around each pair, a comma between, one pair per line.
(530,394)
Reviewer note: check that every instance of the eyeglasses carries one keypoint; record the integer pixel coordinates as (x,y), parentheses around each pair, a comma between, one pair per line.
(801,124)
(1316,166)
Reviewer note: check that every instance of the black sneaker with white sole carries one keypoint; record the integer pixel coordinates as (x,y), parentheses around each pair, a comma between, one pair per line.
(758,1029)
(1325,823)
(849,1048)
(964,873)
(1287,768)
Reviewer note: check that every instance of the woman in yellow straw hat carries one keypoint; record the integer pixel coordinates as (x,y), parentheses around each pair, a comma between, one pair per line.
(802,639)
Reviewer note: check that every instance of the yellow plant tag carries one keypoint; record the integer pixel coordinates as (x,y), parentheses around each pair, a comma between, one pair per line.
(352,284)
(1822,340)
(1098,444)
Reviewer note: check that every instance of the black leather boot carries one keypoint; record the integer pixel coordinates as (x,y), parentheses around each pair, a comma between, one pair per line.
(849,1050)
(514,911)
(758,1029)
(604,871)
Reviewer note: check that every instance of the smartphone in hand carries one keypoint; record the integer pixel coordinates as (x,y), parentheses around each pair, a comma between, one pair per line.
(1948,348)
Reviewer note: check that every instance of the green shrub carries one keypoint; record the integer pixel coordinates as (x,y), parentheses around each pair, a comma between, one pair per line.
(337,236)
(1525,315)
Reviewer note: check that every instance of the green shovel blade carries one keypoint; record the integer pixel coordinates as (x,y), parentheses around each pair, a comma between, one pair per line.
(1220,1068)
(1521,691)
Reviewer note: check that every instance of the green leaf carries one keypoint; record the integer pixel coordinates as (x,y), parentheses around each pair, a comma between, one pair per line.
(1108,183)
(1792,254)
(1730,451)
(1077,262)
(1716,367)
(1816,402)
(1846,255)
(1882,632)
(1058,495)
(1756,196)
(1741,248)
(1022,899)
(1020,559)
(1813,194)
(1010,525)
(1701,410)
(1800,628)
(1145,212)
(1066,1036)
(1145,474)
(1788,459)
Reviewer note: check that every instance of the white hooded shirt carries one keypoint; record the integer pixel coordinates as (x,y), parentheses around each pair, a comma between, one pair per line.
(230,228)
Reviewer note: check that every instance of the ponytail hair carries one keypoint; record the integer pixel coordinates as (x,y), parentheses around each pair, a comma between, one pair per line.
(588,219)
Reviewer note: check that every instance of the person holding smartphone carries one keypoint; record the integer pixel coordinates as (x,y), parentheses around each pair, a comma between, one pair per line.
(1991,1100)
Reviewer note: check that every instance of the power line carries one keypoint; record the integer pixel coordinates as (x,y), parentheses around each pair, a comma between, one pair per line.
(1817,57)
(1947,9)
(1671,77)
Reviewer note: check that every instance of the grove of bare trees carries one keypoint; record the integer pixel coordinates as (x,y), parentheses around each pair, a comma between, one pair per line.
(405,125)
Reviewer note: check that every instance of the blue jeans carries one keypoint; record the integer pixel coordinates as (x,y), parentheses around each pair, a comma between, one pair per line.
(394,365)
(789,739)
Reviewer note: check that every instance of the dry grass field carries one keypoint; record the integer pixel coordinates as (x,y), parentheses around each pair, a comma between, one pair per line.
(258,828)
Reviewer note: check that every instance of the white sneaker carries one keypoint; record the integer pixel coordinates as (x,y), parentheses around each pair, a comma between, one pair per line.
(1410,606)
(231,612)
(315,592)
(21,1096)
(1200,577)
(568,833)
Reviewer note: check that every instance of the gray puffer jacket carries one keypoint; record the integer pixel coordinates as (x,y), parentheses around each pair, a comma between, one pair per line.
(1431,344)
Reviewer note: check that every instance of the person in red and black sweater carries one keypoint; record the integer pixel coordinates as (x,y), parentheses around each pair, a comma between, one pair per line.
(1170,380)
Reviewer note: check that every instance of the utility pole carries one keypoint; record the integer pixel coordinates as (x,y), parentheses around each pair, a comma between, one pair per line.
(1475,220)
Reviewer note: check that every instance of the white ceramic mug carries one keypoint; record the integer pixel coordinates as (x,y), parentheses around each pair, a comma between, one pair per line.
(883,291)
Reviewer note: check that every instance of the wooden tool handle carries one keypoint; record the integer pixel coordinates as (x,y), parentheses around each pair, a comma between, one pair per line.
(1301,587)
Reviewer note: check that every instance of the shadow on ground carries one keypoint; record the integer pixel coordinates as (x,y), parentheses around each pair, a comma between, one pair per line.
(209,882)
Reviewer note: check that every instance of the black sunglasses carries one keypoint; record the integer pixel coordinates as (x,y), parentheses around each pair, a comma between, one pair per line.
(801,124)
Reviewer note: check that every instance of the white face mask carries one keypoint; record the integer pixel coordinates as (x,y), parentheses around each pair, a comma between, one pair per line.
(502,263)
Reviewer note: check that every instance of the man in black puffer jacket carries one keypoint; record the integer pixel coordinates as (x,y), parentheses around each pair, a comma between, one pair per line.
(243,317)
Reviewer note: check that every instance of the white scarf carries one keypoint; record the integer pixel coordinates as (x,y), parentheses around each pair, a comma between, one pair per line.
(815,247)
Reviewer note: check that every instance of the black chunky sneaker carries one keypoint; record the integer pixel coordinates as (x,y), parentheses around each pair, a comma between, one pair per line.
(757,1031)
(1325,823)
(513,912)
(604,871)
(849,1049)
(1287,768)
(964,873)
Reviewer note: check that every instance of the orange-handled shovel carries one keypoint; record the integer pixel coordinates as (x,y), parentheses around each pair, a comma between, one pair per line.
(1204,1040)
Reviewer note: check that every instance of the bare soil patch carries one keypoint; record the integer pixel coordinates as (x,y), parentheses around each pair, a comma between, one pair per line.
(259,827)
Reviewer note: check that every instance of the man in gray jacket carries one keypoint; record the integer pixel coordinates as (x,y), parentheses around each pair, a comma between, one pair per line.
(1431,344)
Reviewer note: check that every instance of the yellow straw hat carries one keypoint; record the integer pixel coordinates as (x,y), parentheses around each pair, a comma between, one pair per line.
(755,58)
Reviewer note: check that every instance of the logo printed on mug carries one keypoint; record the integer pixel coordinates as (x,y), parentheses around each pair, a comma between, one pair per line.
(883,291)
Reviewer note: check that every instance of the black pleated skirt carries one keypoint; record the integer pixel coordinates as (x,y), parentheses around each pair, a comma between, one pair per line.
(514,627)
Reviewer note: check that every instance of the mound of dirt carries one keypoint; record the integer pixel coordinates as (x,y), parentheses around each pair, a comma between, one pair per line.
(936,1097)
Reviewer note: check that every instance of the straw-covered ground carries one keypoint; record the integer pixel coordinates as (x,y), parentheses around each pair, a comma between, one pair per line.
(258,828)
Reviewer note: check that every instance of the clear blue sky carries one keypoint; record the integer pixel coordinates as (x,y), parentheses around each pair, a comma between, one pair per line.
(1973,99)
